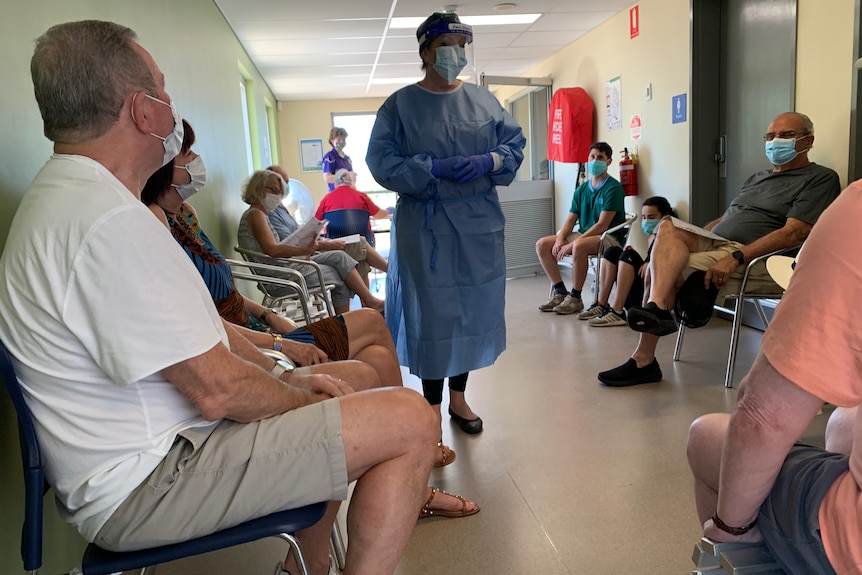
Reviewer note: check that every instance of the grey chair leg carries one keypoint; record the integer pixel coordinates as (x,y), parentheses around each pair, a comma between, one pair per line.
(297,552)
(338,550)
(734,339)
(677,348)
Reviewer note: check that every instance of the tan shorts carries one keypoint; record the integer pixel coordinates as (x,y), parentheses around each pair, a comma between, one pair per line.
(608,242)
(710,251)
(359,252)
(215,478)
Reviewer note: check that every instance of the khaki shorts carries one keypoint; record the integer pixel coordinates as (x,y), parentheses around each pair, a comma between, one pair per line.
(710,251)
(608,242)
(359,252)
(217,477)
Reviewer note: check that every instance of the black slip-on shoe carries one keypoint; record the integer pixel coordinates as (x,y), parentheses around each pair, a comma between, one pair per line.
(630,374)
(471,426)
(652,319)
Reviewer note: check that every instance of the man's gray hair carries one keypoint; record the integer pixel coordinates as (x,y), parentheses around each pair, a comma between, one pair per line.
(807,124)
(82,73)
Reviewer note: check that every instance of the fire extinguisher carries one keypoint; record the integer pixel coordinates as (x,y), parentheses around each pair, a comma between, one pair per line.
(629,173)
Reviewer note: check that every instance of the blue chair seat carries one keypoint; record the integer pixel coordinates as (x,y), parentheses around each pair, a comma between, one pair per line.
(348,222)
(98,561)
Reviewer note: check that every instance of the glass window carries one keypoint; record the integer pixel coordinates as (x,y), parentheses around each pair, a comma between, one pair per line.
(359,128)
(531,112)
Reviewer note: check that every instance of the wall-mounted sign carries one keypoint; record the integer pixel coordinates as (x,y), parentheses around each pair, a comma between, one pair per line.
(636,127)
(678,113)
(311,155)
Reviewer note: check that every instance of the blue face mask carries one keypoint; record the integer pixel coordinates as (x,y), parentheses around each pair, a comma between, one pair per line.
(450,61)
(781,150)
(648,226)
(596,167)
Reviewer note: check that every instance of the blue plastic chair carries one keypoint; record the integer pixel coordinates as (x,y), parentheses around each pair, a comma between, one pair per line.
(348,222)
(98,561)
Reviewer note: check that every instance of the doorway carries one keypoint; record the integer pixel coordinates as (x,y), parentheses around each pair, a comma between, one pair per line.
(743,75)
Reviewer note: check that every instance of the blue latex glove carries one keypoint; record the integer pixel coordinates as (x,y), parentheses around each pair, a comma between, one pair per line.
(473,167)
(445,168)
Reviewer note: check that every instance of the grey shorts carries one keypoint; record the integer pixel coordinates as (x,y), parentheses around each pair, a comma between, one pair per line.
(788,519)
(336,265)
(217,477)
(710,251)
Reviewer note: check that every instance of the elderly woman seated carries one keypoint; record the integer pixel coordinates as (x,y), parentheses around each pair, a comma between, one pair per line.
(264,192)
(358,335)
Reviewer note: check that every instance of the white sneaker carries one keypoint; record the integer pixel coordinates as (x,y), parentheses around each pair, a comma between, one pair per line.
(595,310)
(610,319)
(570,305)
(553,302)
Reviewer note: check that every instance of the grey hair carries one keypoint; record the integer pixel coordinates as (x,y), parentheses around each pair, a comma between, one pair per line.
(343,177)
(807,124)
(82,74)
(254,189)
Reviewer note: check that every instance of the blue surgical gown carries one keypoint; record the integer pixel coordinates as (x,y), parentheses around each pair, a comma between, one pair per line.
(445,293)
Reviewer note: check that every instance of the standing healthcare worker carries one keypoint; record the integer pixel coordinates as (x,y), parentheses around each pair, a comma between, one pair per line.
(443,145)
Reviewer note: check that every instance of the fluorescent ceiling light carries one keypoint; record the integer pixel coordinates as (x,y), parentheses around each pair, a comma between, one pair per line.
(410,80)
(489,20)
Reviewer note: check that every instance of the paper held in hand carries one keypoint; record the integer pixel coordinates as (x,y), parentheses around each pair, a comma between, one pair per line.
(351,239)
(696,230)
(305,233)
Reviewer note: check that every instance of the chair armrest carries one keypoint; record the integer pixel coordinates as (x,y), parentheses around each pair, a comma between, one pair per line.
(750,265)
(324,288)
(283,272)
(299,293)
(630,217)
(276,355)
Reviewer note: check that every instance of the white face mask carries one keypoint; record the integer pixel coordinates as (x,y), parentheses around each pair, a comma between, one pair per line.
(270,202)
(198,173)
(173,142)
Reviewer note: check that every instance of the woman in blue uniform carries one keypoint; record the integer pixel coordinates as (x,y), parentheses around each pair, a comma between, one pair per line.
(335,159)
(443,146)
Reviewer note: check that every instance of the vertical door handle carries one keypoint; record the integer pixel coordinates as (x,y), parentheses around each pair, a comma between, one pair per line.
(721,155)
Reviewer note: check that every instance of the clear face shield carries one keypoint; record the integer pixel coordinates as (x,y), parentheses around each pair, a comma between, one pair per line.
(454,51)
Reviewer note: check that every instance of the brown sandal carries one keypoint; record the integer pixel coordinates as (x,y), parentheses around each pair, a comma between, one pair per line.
(445,461)
(464,512)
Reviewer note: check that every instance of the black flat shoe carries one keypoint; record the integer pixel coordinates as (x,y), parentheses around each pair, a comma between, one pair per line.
(471,426)
(629,374)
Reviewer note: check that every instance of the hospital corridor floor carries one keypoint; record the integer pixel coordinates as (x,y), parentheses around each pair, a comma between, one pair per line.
(573,478)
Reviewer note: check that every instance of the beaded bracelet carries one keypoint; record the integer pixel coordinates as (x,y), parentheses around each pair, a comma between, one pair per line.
(732,530)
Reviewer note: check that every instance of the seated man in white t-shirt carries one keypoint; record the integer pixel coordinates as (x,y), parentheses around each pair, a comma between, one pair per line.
(138,390)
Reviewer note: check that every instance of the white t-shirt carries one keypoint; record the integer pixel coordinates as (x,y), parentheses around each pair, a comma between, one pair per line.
(96,298)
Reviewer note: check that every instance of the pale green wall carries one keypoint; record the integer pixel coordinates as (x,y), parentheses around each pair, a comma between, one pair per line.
(199,55)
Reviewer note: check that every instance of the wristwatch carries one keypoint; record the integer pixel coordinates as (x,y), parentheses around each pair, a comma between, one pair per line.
(264,314)
(739,256)
(281,366)
(276,341)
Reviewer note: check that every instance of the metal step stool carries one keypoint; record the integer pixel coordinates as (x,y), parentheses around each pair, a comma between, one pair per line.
(713,558)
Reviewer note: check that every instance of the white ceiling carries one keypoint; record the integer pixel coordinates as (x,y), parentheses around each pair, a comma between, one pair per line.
(346,49)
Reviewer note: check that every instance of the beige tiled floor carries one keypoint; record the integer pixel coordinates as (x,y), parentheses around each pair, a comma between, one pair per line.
(573,478)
